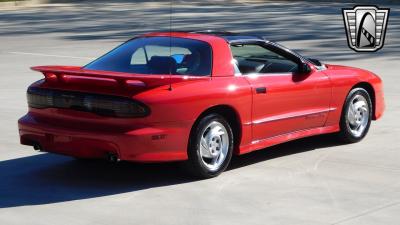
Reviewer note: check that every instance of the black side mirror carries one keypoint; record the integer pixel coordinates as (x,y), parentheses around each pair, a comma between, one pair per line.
(304,68)
(315,61)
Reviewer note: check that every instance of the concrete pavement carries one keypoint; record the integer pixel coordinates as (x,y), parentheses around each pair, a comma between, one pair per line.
(310,181)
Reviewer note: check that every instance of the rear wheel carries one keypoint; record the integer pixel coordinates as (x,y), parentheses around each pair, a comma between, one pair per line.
(210,146)
(356,116)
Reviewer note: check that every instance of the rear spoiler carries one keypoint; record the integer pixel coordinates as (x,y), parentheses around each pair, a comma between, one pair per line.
(70,74)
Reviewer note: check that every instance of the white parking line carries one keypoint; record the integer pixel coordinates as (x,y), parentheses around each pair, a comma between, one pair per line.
(47,55)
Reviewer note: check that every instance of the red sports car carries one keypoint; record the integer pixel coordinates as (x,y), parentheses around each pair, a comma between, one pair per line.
(195,96)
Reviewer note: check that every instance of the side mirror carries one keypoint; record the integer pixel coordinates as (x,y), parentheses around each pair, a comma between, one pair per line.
(304,68)
(315,61)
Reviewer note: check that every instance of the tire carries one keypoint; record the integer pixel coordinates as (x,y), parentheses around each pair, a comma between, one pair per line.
(357,111)
(215,133)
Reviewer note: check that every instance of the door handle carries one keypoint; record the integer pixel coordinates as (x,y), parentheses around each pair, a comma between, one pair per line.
(261,90)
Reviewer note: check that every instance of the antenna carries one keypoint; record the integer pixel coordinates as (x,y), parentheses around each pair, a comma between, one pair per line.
(170,44)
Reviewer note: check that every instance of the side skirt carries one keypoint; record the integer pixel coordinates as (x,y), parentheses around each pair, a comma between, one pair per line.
(264,143)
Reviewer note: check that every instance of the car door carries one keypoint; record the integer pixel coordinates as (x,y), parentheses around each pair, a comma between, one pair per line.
(284,99)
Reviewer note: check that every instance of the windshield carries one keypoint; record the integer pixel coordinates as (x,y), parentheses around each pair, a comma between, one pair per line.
(158,55)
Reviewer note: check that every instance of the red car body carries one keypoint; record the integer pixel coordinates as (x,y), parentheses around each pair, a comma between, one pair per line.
(291,107)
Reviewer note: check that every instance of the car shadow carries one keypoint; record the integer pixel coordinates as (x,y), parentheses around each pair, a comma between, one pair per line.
(48,178)
(285,149)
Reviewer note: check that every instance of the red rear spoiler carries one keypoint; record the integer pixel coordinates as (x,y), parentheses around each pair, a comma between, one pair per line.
(73,73)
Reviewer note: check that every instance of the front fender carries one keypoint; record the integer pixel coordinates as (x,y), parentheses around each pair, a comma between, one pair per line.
(343,79)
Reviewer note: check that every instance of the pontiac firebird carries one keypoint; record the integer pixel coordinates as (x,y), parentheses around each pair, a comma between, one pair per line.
(198,97)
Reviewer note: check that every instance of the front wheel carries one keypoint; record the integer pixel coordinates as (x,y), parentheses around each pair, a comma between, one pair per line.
(210,146)
(356,116)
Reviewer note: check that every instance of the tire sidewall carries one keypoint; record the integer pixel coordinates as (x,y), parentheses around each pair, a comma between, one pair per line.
(195,158)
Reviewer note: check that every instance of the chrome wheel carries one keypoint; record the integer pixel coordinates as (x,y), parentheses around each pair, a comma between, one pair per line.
(214,145)
(357,117)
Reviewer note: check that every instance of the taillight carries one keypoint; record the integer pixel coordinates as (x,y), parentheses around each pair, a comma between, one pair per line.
(105,105)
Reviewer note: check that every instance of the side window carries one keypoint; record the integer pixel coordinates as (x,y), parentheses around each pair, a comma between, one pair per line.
(253,58)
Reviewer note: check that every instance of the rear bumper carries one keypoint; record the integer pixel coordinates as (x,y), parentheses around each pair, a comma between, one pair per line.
(154,143)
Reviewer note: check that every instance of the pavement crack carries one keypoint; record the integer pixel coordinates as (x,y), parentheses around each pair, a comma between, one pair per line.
(365,213)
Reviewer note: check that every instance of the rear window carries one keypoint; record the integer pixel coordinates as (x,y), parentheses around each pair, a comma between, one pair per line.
(158,55)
